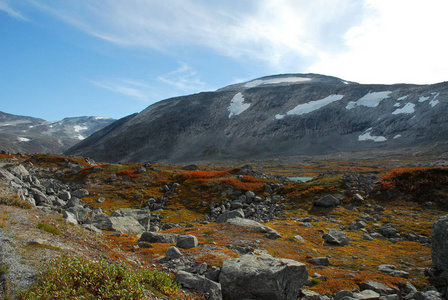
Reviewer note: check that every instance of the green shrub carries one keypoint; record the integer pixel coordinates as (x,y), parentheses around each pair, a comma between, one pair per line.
(78,278)
(16,201)
(49,228)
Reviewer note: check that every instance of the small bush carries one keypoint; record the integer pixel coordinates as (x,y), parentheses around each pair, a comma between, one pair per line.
(78,278)
(16,201)
(49,228)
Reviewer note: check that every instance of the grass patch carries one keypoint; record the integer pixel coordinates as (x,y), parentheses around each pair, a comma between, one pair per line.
(49,228)
(78,278)
(17,202)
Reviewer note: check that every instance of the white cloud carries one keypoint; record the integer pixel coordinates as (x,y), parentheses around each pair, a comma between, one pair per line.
(184,79)
(125,87)
(13,13)
(400,41)
(280,34)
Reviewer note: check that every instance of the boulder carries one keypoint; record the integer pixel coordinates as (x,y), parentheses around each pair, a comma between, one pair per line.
(69,217)
(428,295)
(262,277)
(366,295)
(187,241)
(270,233)
(327,201)
(7,175)
(81,213)
(336,237)
(173,253)
(19,171)
(439,244)
(143,216)
(154,237)
(392,271)
(122,224)
(81,193)
(200,283)
(380,288)
(227,215)
(72,202)
(320,261)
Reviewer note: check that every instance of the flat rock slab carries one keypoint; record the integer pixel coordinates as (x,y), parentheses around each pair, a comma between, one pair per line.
(262,277)
(270,233)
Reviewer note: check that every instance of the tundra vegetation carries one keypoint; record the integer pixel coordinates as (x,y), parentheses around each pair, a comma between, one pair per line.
(385,207)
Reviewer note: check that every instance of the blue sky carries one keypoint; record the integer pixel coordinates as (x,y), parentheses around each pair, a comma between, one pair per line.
(115,57)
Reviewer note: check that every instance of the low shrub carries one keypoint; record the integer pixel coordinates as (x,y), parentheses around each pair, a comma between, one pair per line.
(16,201)
(49,228)
(78,278)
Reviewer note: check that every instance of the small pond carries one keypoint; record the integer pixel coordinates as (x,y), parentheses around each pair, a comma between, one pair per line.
(300,178)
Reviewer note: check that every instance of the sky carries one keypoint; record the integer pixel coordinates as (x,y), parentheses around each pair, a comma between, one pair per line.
(112,58)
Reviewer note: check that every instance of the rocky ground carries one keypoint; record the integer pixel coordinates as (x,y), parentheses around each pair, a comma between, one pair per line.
(357,230)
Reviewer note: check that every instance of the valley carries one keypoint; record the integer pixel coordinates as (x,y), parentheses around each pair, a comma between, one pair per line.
(385,209)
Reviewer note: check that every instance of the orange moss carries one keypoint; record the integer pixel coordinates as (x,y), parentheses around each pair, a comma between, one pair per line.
(129,173)
(202,174)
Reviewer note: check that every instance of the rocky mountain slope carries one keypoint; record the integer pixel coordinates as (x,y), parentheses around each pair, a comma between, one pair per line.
(282,115)
(32,135)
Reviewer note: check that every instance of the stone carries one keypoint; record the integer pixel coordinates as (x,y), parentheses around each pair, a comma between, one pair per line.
(81,193)
(155,237)
(428,295)
(320,261)
(69,217)
(64,195)
(187,241)
(366,295)
(343,294)
(125,224)
(380,288)
(327,201)
(190,168)
(389,232)
(7,175)
(439,244)
(299,238)
(200,283)
(72,202)
(213,273)
(227,215)
(144,245)
(143,216)
(19,171)
(92,228)
(173,252)
(262,277)
(101,200)
(336,237)
(392,271)
(269,232)
(81,213)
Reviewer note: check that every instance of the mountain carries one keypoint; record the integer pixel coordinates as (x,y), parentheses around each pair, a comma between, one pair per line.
(280,116)
(32,135)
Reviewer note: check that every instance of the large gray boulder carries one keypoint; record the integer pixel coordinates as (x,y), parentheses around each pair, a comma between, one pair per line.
(439,244)
(200,283)
(143,216)
(269,232)
(327,201)
(187,241)
(121,224)
(230,214)
(156,237)
(262,277)
(336,237)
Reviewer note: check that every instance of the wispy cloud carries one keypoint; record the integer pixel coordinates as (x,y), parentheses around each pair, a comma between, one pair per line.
(13,13)
(132,88)
(271,32)
(184,79)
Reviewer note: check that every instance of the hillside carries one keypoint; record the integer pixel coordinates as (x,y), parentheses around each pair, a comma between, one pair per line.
(360,227)
(32,135)
(280,116)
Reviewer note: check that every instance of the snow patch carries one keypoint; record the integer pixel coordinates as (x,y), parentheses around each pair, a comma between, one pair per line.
(434,102)
(237,105)
(258,82)
(407,109)
(311,106)
(369,100)
(80,137)
(368,137)
(101,118)
(314,105)
(397,105)
(423,99)
(402,98)
(23,139)
(79,128)
(397,136)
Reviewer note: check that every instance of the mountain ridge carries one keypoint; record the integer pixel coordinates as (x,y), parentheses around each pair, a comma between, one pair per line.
(277,116)
(35,135)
